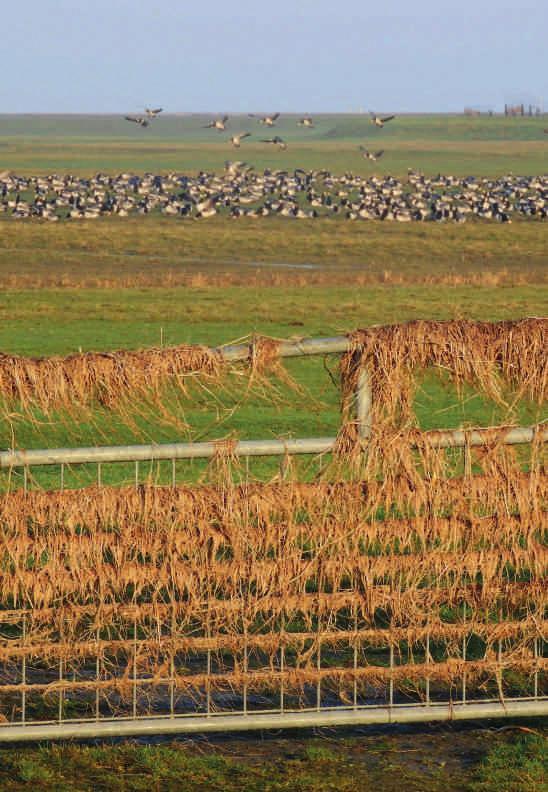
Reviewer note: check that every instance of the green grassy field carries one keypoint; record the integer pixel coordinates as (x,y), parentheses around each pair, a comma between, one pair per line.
(433,143)
(159,251)
(129,283)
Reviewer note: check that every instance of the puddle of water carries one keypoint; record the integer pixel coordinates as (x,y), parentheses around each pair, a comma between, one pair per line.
(284,265)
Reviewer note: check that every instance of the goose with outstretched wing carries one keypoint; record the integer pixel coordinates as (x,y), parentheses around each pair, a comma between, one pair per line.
(380,121)
(268,120)
(236,139)
(371,155)
(218,123)
(276,141)
(144,122)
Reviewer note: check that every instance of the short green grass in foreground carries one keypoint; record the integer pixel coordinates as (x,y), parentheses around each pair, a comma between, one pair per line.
(439,761)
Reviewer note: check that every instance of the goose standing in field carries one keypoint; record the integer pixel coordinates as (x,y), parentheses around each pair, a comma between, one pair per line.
(236,140)
(144,122)
(241,192)
(276,141)
(153,113)
(371,155)
(380,121)
(218,123)
(306,122)
(268,120)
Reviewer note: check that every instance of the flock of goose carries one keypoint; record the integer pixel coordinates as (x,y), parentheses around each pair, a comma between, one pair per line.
(242,192)
(220,124)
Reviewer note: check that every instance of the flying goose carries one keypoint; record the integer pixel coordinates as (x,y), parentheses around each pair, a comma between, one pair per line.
(217,123)
(138,120)
(237,139)
(371,155)
(269,120)
(306,122)
(277,141)
(151,113)
(235,168)
(380,121)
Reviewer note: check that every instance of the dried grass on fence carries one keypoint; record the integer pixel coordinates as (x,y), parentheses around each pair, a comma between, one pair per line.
(493,356)
(146,581)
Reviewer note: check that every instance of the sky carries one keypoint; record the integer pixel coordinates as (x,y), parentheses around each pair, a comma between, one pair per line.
(112,56)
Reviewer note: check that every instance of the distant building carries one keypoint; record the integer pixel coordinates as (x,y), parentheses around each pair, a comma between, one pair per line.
(478,110)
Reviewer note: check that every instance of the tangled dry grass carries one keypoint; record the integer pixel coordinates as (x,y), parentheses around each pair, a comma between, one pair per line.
(487,355)
(153,585)
(402,563)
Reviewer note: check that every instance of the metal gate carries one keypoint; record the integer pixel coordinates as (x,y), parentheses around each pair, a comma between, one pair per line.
(215,679)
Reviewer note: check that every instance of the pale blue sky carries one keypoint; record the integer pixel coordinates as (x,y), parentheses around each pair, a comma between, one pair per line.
(287,55)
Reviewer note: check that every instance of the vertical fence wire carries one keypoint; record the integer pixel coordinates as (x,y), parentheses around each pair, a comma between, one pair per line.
(319,666)
(535,675)
(24,672)
(208,668)
(97,677)
(245,667)
(499,662)
(61,691)
(134,684)
(282,664)
(172,668)
(464,646)
(427,650)
(355,663)
(391,684)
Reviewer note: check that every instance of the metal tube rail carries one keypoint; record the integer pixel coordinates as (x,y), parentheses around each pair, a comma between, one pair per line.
(224,722)
(244,448)
(305,346)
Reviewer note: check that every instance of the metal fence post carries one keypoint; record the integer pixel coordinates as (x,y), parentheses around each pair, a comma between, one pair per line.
(364,400)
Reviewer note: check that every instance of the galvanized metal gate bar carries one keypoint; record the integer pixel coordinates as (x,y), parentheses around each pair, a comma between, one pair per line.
(335,345)
(244,448)
(304,719)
